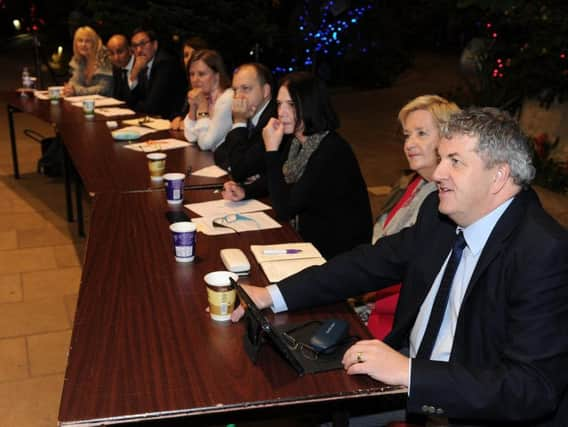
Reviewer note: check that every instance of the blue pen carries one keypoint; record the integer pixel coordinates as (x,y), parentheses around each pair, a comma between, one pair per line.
(281,251)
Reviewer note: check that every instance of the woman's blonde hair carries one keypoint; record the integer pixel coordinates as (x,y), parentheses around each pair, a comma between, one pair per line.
(440,108)
(100,52)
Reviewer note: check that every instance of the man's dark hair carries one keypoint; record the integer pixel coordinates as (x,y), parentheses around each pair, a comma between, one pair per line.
(148,31)
(312,102)
(263,73)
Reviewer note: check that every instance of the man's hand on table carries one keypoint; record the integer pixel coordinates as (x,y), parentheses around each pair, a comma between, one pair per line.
(378,360)
(260,297)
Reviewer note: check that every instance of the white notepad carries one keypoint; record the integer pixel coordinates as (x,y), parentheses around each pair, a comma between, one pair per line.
(279,266)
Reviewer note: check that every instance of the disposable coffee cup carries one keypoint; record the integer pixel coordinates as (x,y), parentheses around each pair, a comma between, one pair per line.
(184,240)
(89,107)
(156,165)
(174,187)
(221,294)
(54,93)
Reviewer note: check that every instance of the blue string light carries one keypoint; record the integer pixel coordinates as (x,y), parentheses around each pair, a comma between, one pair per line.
(326,39)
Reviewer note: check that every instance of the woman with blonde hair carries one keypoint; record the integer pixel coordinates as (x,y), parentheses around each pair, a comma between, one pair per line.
(90,65)
(422,120)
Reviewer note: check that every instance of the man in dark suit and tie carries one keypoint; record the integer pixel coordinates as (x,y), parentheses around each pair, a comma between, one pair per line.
(157,79)
(242,153)
(479,331)
(122,62)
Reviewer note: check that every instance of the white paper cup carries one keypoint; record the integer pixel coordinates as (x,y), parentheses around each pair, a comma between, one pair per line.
(174,187)
(89,107)
(156,165)
(221,294)
(54,93)
(184,240)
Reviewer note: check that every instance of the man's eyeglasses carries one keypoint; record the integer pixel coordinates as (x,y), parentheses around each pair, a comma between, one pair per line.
(230,221)
(141,43)
(306,350)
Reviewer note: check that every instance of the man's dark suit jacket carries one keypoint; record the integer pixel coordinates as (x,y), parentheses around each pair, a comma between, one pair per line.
(509,360)
(120,88)
(165,90)
(243,154)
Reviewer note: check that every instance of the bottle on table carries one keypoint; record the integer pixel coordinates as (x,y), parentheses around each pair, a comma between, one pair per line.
(26,81)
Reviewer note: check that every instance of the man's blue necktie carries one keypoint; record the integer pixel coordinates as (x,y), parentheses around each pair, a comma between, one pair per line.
(441,300)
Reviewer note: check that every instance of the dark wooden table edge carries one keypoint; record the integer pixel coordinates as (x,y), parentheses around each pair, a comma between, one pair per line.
(384,390)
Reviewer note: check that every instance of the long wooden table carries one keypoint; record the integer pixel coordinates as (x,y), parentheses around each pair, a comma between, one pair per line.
(143,346)
(101,163)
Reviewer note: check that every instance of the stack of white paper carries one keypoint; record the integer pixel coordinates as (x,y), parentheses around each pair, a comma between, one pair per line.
(277,264)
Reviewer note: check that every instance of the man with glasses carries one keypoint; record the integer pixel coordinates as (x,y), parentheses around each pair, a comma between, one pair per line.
(157,79)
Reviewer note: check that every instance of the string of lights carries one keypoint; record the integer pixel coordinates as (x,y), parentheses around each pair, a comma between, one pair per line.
(325,37)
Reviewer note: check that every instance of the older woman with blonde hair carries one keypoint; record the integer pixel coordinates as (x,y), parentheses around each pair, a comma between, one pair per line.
(90,65)
(422,120)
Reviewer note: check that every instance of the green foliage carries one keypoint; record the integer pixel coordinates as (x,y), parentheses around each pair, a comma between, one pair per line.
(525,55)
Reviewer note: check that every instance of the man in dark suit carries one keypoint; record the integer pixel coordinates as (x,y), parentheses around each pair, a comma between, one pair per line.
(242,153)
(157,79)
(122,61)
(484,344)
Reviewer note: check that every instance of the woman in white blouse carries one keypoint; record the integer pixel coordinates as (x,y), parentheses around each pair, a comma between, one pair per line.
(210,99)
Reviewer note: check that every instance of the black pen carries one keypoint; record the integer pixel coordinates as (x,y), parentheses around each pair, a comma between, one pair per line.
(203,187)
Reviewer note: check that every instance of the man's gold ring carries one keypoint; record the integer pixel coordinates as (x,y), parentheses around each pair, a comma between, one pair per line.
(360,357)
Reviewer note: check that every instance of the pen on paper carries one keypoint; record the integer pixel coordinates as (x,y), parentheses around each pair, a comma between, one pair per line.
(281,251)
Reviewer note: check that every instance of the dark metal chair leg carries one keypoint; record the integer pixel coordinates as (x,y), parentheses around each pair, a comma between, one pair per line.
(79,203)
(67,173)
(11,111)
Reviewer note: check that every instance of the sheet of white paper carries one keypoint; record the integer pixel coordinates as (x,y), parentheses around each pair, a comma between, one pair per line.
(81,98)
(258,221)
(307,250)
(140,130)
(41,94)
(114,111)
(151,122)
(99,102)
(217,208)
(158,145)
(158,124)
(276,271)
(277,267)
(212,171)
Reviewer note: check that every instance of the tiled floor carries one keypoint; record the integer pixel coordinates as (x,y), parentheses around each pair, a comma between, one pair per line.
(40,254)
(39,280)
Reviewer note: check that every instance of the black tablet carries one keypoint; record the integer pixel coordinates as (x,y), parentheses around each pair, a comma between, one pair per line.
(258,324)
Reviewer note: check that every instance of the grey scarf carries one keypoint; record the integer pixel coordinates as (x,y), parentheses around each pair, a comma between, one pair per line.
(298,156)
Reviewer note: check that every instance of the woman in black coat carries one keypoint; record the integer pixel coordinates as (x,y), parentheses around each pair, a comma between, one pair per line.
(318,182)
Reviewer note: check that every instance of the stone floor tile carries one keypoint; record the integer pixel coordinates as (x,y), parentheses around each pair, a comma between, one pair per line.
(16,204)
(10,288)
(31,403)
(48,235)
(21,221)
(48,352)
(32,259)
(33,317)
(67,256)
(70,306)
(13,360)
(8,239)
(43,284)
